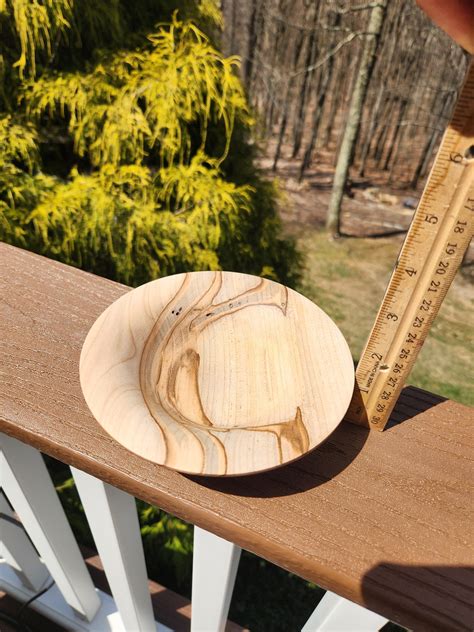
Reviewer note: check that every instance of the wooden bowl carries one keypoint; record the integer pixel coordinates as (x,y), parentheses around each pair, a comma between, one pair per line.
(216,373)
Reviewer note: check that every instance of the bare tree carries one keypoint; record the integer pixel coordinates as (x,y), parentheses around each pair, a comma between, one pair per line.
(287,102)
(321,100)
(304,91)
(316,83)
(377,15)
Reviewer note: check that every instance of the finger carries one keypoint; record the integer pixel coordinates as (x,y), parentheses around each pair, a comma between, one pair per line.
(456,17)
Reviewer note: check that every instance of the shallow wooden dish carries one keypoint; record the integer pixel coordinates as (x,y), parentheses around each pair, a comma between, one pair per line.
(216,373)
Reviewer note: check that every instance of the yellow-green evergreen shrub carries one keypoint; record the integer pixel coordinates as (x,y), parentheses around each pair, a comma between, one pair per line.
(115,161)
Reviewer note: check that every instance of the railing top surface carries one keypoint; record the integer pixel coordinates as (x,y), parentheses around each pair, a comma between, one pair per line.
(382,518)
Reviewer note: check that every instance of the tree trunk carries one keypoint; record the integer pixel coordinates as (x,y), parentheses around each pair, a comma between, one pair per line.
(370,132)
(271,107)
(335,103)
(387,133)
(431,142)
(325,76)
(381,87)
(233,27)
(304,88)
(252,43)
(287,102)
(396,133)
(386,121)
(376,20)
(317,117)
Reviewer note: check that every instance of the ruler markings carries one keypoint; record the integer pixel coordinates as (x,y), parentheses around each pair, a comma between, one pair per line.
(438,236)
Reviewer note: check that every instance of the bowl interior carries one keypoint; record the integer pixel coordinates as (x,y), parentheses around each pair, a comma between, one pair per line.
(216,373)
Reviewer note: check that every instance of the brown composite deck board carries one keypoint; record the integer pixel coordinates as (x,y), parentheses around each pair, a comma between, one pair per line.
(380,518)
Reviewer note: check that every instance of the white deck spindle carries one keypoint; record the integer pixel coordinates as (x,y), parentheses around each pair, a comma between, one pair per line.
(29,489)
(17,551)
(113,520)
(336,614)
(215,564)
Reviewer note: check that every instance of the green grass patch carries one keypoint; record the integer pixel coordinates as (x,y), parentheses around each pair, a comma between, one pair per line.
(347,279)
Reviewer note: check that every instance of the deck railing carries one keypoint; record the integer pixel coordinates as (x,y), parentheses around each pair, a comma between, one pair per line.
(380,520)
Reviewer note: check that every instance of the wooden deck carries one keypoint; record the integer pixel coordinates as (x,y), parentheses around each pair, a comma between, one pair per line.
(171,609)
(382,518)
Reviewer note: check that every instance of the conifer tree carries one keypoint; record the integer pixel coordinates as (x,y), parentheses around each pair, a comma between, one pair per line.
(123,141)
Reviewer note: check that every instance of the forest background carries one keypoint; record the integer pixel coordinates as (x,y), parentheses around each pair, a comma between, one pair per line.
(288,139)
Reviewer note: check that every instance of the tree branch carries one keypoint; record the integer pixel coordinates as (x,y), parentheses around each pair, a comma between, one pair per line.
(329,54)
(360,7)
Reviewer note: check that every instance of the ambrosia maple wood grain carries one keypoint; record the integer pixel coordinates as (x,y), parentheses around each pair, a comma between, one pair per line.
(216,373)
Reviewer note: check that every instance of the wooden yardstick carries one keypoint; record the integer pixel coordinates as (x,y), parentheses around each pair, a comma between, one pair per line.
(433,250)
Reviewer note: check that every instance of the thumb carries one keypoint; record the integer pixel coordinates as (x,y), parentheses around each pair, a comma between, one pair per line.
(456,17)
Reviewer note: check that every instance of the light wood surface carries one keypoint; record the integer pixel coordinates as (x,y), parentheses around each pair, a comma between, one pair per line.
(383,519)
(216,373)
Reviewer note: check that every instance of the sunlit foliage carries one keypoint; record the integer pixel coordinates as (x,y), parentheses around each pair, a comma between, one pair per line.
(119,151)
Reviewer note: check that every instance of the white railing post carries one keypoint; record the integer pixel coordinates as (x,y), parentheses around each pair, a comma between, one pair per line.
(215,564)
(17,550)
(113,520)
(336,614)
(29,489)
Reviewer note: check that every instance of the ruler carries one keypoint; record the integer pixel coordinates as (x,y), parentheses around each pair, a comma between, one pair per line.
(436,242)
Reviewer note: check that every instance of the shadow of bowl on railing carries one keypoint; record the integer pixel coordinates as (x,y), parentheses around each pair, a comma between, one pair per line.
(315,468)
(426,598)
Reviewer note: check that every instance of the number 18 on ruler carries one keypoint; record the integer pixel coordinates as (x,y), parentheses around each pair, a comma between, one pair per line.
(432,253)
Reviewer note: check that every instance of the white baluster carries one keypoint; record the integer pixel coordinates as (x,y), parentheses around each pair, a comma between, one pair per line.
(336,614)
(29,488)
(17,550)
(215,563)
(112,517)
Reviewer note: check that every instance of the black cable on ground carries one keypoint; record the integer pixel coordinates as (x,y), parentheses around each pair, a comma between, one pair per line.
(17,621)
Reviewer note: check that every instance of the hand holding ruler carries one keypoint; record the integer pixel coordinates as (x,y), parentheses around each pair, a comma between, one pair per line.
(439,235)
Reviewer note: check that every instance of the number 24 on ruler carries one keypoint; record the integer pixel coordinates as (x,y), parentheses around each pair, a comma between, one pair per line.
(432,253)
